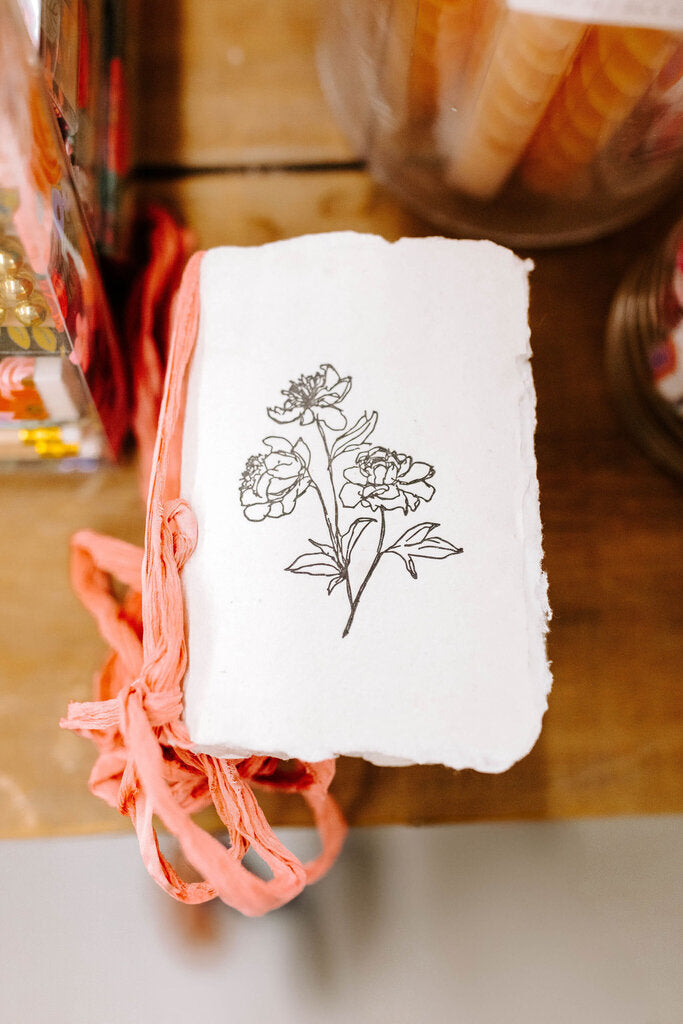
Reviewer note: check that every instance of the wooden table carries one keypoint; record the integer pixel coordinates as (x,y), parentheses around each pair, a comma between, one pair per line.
(236,136)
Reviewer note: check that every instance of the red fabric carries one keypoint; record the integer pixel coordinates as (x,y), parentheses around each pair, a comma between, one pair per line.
(148,323)
(145,766)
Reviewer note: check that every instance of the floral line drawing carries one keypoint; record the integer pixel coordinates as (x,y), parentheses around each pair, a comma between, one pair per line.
(378,481)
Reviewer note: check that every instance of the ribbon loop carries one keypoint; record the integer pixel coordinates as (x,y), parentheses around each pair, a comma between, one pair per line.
(181,523)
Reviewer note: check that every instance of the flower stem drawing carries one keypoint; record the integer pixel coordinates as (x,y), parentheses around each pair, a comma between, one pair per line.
(321,431)
(373,565)
(379,481)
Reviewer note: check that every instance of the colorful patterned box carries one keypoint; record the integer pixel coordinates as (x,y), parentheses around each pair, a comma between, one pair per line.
(52,303)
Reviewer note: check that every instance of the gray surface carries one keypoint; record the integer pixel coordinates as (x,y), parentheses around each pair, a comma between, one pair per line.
(480,924)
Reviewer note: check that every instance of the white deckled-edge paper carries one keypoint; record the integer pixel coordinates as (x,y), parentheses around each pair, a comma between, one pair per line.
(447,668)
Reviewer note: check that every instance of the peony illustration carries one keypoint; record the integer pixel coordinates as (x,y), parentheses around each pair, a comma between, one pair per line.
(385,479)
(272,483)
(380,480)
(314,397)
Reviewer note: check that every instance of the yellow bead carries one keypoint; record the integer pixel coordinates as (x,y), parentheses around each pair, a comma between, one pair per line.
(15,289)
(30,312)
(11,256)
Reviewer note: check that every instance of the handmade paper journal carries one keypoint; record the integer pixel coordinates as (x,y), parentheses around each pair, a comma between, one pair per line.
(358,453)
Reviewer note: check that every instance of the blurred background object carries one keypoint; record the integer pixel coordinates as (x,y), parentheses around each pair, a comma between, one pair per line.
(645,351)
(62,374)
(494,121)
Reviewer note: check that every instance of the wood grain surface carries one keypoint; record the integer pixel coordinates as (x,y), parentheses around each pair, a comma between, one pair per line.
(225,84)
(612,741)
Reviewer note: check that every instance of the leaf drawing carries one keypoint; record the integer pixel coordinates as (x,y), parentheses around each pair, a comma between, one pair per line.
(375,480)
(356,436)
(313,563)
(334,582)
(353,535)
(326,549)
(418,542)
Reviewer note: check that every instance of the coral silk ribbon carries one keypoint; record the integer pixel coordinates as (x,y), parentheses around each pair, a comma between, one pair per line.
(145,765)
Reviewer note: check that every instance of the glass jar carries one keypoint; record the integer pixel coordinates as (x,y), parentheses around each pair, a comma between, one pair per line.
(522,127)
(645,352)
